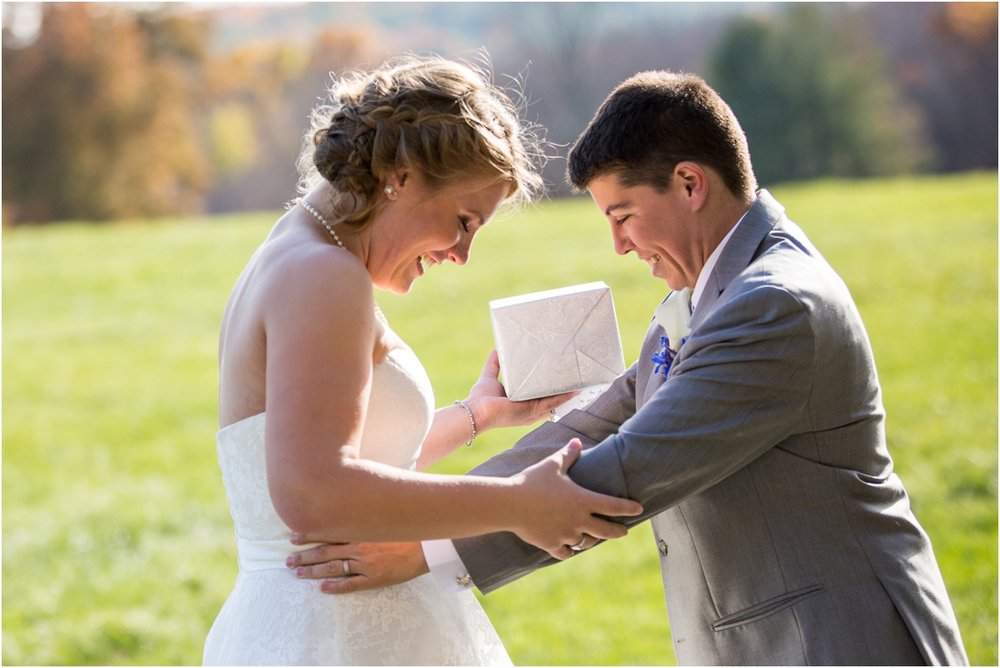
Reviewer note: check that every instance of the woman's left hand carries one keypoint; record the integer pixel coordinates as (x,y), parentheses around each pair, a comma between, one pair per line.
(492,407)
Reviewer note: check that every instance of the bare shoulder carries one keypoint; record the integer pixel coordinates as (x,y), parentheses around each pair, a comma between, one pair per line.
(310,279)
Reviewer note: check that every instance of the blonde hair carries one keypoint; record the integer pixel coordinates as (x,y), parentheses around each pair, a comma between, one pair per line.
(444,119)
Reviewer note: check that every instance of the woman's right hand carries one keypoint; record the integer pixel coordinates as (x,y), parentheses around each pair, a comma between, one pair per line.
(493,408)
(556,513)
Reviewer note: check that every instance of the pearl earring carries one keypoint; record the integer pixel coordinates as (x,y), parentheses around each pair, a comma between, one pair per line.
(390,191)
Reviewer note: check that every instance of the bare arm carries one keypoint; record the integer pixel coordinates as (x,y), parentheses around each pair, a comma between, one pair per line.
(375,565)
(490,409)
(319,326)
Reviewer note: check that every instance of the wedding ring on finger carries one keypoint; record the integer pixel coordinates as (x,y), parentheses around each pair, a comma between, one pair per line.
(579,547)
(347,567)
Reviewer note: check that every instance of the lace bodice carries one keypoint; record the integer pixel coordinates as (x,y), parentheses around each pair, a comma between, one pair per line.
(273,618)
(399,416)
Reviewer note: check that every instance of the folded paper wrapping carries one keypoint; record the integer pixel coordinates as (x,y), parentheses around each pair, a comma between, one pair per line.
(557,341)
(581,400)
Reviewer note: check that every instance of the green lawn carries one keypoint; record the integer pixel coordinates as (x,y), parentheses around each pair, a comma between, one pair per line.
(117,542)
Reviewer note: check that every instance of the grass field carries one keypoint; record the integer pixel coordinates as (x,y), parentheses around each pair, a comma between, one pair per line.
(117,542)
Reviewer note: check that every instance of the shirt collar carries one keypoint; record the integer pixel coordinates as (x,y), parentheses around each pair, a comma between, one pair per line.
(706,271)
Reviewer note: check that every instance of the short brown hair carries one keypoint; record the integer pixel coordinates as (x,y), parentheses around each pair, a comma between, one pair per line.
(655,120)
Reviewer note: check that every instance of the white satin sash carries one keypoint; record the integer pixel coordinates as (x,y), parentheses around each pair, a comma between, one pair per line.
(266,555)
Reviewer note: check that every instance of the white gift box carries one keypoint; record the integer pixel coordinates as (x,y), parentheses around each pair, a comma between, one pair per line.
(557,340)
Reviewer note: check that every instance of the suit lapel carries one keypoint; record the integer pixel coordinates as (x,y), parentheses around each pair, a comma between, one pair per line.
(650,345)
(740,251)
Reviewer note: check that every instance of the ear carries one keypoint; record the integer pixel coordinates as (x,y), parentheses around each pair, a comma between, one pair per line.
(692,179)
(398,179)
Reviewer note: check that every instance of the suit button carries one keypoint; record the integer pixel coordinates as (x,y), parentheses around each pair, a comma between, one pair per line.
(663,547)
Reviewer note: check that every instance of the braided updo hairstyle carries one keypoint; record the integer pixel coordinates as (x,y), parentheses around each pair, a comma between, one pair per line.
(442,119)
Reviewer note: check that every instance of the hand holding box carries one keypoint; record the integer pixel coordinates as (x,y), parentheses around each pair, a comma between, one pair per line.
(557,340)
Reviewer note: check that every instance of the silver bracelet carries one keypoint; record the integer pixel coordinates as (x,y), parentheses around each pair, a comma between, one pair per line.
(472,421)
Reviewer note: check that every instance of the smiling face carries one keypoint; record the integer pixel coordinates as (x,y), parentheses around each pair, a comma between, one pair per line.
(658,226)
(419,227)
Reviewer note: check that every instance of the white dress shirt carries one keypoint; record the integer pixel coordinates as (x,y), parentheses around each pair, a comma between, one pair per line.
(441,556)
(706,271)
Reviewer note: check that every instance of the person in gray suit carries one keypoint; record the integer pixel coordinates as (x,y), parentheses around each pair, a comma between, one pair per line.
(756,444)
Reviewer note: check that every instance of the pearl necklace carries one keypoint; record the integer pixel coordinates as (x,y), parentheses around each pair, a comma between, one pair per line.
(308,207)
(329,228)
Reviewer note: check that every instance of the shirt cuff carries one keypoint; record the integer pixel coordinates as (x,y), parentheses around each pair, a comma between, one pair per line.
(446,566)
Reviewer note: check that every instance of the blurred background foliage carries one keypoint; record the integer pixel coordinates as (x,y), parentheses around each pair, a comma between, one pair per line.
(114,111)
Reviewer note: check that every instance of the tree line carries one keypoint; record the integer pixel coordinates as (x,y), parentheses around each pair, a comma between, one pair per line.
(119,113)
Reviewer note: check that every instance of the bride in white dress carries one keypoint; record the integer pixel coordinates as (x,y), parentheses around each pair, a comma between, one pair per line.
(326,416)
(272,617)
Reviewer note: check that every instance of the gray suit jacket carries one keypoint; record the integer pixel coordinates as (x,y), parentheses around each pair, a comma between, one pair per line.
(784,535)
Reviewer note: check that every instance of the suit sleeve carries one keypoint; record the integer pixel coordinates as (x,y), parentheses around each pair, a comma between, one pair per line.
(741,384)
(592,425)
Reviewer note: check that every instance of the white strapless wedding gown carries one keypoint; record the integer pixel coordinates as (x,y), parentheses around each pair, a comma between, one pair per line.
(273,618)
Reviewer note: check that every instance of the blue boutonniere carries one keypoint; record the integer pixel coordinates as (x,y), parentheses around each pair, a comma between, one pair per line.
(664,358)
(674,316)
